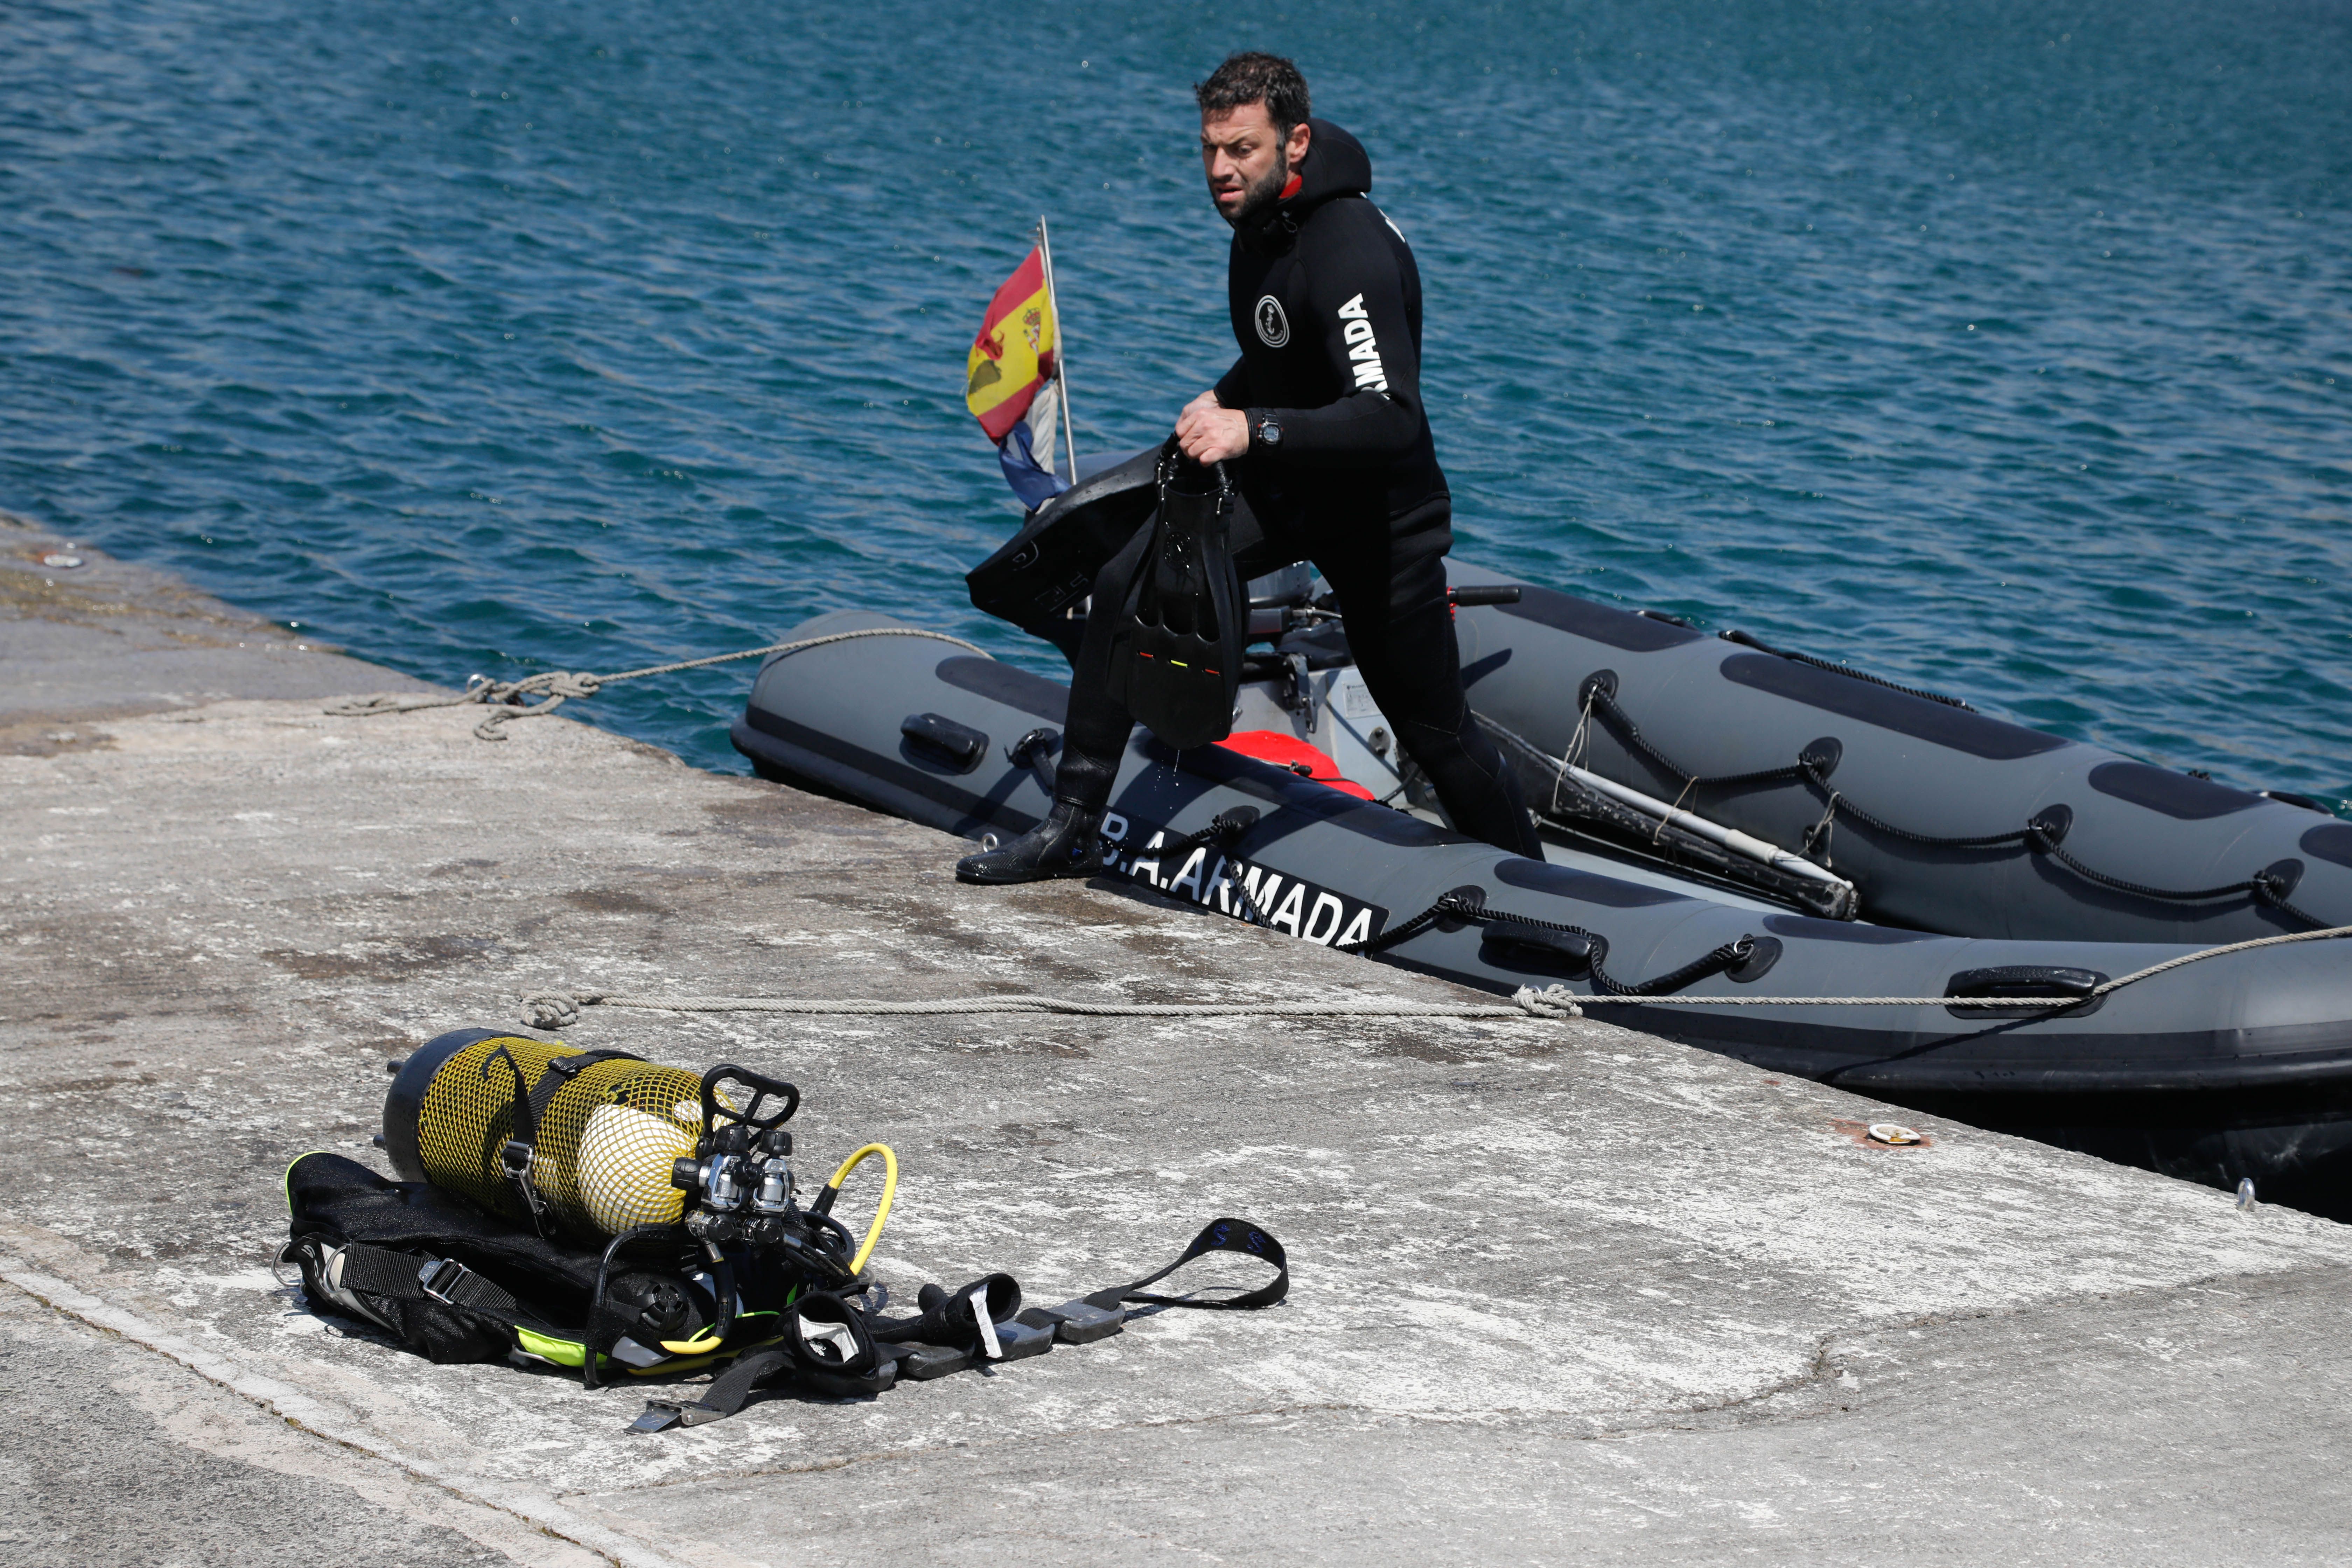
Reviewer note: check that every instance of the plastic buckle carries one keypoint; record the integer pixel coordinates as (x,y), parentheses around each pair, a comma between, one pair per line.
(439,1277)
(661,1415)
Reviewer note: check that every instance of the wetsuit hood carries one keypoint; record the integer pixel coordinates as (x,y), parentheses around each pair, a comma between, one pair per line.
(1336,165)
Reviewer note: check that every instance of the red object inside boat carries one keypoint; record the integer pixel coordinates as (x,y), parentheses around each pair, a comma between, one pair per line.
(1290,752)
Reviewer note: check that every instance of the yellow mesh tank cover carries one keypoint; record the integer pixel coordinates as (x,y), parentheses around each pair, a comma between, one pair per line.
(625,1156)
(605,1142)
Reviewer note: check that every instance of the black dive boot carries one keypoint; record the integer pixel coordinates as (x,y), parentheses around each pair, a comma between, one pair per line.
(1068,843)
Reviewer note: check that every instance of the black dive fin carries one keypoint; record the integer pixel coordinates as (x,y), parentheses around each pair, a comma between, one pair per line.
(1176,658)
(950,1320)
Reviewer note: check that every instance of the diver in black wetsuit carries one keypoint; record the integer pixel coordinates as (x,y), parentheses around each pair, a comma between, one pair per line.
(1322,415)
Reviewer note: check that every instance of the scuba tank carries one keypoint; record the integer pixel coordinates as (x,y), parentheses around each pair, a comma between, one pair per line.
(577,1142)
(1176,656)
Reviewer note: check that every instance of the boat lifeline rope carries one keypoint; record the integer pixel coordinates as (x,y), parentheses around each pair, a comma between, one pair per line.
(2042,836)
(556,686)
(1469,909)
(557,1010)
(561,1009)
(1467,906)
(1222,831)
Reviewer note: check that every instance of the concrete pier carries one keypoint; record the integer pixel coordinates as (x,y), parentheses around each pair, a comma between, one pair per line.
(1562,1292)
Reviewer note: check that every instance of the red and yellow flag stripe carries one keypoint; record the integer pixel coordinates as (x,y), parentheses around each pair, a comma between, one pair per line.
(1013,355)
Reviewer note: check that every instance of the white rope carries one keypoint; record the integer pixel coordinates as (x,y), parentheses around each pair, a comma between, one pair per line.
(556,686)
(2140,974)
(1570,756)
(561,1010)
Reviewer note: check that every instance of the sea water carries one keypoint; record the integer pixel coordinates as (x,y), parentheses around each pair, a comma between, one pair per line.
(2004,348)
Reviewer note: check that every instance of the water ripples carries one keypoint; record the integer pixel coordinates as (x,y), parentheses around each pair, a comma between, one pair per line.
(2009,361)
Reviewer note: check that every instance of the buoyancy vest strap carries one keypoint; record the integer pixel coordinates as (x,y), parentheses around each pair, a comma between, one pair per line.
(514,1155)
(408,1277)
(529,1109)
(1226,1235)
(723,1398)
(562,1070)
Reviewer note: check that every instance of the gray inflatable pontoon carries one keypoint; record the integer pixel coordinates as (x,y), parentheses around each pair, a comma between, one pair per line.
(1984,860)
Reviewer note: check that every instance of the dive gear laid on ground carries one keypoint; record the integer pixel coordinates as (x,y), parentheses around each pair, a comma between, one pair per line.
(591,1210)
(1941,820)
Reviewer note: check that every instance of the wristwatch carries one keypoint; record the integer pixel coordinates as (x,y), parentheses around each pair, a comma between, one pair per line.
(1268,434)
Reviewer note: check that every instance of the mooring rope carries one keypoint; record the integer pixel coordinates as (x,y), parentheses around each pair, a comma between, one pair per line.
(561,1010)
(556,686)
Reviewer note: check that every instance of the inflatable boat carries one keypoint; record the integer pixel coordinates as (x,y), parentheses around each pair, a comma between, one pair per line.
(1724,822)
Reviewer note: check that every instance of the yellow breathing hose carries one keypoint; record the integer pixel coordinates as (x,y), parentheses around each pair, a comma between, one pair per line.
(881,1211)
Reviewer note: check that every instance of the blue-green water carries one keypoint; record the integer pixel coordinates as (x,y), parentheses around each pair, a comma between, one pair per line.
(2002,347)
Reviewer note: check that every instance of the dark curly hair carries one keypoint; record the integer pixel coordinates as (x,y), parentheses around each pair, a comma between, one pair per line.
(1254,77)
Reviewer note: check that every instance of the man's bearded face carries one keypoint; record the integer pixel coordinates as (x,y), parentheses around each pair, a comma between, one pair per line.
(1264,192)
(1247,159)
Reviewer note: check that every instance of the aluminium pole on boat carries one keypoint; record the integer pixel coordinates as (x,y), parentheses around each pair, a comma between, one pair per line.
(1061,353)
(1731,838)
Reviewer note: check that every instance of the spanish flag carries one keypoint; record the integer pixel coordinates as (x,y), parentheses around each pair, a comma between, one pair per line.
(1017,356)
(1013,355)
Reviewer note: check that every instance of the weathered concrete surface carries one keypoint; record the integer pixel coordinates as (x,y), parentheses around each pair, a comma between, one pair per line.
(116,1455)
(1563,1292)
(111,638)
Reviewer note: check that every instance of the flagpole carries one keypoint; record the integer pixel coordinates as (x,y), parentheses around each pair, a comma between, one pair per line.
(1061,353)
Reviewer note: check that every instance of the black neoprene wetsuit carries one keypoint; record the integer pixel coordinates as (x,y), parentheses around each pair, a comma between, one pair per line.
(1325,305)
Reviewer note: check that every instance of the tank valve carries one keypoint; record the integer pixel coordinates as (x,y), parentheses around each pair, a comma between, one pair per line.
(775,1191)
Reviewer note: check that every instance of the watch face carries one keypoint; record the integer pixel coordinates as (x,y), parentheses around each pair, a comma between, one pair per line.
(1270,433)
